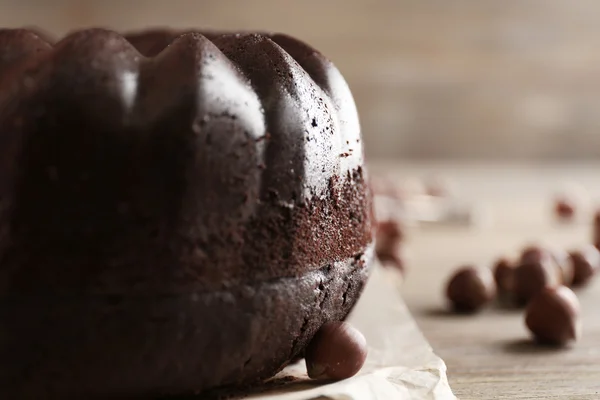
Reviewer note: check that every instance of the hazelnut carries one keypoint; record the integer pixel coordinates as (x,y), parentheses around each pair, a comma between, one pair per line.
(553,316)
(565,265)
(337,351)
(389,230)
(560,259)
(504,275)
(596,230)
(532,277)
(586,262)
(564,208)
(534,253)
(388,244)
(395,259)
(470,288)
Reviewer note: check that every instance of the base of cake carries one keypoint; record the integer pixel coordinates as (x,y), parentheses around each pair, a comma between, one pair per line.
(102,346)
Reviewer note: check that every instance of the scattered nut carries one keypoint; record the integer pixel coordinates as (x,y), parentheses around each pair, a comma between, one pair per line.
(596,230)
(395,259)
(564,208)
(469,289)
(504,275)
(337,351)
(532,277)
(534,253)
(586,263)
(553,316)
(388,244)
(439,186)
(389,230)
(560,259)
(565,264)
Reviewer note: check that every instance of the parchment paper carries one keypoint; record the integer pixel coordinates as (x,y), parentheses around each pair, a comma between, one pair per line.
(400,364)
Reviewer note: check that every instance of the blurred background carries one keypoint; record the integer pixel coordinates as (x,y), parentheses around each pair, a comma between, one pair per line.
(433,79)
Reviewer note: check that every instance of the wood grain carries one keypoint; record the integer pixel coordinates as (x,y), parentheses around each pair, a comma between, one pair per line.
(490,355)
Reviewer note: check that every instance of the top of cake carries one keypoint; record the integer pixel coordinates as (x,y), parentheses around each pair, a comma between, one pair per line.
(273,72)
(228,134)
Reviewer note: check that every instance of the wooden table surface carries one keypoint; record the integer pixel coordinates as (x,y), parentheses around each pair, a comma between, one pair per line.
(490,355)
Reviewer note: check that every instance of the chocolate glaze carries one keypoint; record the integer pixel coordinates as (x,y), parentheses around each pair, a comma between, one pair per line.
(201,195)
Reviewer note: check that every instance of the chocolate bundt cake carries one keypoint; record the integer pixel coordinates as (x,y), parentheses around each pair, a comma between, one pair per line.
(178,211)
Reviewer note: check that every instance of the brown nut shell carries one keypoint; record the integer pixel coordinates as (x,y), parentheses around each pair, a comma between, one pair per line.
(536,254)
(504,275)
(596,230)
(470,288)
(389,245)
(396,258)
(564,208)
(390,230)
(533,253)
(565,265)
(553,316)
(337,351)
(532,277)
(586,262)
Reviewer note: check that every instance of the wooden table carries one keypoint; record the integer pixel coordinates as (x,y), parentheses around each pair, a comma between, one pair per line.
(490,355)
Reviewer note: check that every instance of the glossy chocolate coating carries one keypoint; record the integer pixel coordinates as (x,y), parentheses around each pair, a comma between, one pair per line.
(163,190)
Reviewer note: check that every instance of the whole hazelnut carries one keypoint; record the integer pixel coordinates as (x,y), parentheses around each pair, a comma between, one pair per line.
(564,208)
(532,277)
(504,275)
(586,263)
(553,316)
(337,351)
(470,288)
(560,259)
(534,253)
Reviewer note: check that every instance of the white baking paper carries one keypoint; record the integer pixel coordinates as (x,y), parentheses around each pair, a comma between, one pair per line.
(400,364)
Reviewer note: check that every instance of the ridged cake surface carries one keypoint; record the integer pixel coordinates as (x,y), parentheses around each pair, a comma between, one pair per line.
(179,211)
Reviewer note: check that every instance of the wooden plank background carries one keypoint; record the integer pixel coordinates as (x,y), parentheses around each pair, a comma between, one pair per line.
(517,79)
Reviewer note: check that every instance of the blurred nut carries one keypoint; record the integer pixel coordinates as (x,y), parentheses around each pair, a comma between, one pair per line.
(532,277)
(553,316)
(337,351)
(586,263)
(564,208)
(560,259)
(389,230)
(534,253)
(470,288)
(565,264)
(388,244)
(596,230)
(504,275)
(396,258)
